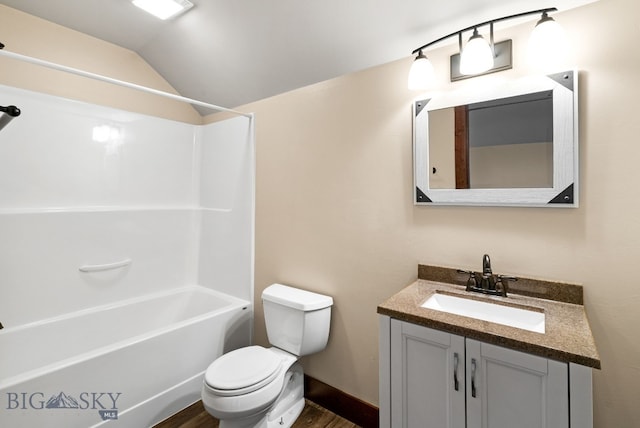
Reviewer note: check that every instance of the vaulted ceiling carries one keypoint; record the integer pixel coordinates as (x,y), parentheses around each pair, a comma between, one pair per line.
(232,52)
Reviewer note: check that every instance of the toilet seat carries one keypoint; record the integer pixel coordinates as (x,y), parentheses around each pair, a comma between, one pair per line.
(242,371)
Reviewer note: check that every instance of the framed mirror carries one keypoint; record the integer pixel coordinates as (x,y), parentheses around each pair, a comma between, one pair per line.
(511,145)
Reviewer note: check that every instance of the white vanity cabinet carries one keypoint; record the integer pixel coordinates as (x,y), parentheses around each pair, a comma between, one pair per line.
(433,379)
(427,377)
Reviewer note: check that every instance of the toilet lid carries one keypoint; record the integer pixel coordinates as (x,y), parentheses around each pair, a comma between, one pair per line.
(243,370)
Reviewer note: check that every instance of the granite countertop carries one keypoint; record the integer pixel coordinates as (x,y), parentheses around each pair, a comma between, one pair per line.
(567,336)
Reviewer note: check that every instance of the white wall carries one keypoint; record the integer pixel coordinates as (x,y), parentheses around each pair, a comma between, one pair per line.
(68,200)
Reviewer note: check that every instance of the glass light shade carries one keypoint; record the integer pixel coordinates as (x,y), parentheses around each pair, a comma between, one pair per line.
(477,56)
(421,73)
(548,46)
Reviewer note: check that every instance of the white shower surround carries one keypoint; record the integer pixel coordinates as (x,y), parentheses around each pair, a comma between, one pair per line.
(176,199)
(168,195)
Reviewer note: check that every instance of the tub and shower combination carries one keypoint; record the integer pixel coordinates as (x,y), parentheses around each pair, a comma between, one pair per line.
(126,260)
(132,361)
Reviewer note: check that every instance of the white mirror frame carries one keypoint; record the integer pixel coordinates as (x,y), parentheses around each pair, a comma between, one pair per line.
(564,192)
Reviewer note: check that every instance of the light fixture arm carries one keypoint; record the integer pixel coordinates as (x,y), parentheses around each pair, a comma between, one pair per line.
(491,22)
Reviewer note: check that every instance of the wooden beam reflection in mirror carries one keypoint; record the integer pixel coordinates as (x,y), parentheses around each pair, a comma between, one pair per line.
(461,133)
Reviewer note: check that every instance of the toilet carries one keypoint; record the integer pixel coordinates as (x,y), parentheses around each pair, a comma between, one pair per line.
(264,387)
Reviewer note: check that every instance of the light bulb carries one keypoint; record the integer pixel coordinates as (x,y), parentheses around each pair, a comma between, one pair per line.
(477,55)
(421,73)
(548,46)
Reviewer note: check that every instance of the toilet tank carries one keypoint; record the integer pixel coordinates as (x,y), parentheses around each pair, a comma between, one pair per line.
(297,320)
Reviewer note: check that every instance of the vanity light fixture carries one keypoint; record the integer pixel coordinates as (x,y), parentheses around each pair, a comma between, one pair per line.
(481,57)
(164,9)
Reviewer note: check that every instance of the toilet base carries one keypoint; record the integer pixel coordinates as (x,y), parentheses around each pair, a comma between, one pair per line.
(284,411)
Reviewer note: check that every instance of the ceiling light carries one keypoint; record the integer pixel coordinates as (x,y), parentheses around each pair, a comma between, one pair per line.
(477,56)
(421,73)
(164,9)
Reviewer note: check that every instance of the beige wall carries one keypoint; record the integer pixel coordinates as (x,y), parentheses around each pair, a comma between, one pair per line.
(511,165)
(442,156)
(334,194)
(27,35)
(335,212)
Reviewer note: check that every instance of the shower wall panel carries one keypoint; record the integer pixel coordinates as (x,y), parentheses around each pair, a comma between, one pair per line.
(226,197)
(63,154)
(40,256)
(82,184)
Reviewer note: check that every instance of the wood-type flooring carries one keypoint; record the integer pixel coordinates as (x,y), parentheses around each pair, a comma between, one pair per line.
(313,416)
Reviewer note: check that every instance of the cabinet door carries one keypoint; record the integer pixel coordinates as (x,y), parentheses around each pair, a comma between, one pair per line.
(507,389)
(427,378)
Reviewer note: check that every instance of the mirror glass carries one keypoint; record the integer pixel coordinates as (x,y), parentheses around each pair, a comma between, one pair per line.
(513,145)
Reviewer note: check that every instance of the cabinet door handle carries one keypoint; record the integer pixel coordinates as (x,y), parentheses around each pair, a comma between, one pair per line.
(473,377)
(456,384)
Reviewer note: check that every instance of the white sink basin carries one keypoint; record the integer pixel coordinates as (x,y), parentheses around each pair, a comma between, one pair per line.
(525,319)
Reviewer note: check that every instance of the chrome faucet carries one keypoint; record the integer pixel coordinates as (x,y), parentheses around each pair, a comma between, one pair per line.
(487,282)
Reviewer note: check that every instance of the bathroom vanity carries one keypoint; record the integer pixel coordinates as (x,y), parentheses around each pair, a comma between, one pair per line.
(442,369)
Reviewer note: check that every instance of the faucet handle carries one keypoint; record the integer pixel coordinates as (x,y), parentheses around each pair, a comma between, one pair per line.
(471,281)
(504,282)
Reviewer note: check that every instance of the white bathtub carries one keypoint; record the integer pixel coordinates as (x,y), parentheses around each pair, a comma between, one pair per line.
(129,364)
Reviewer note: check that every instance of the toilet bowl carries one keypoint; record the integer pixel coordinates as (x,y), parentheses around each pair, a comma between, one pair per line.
(242,385)
(264,387)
